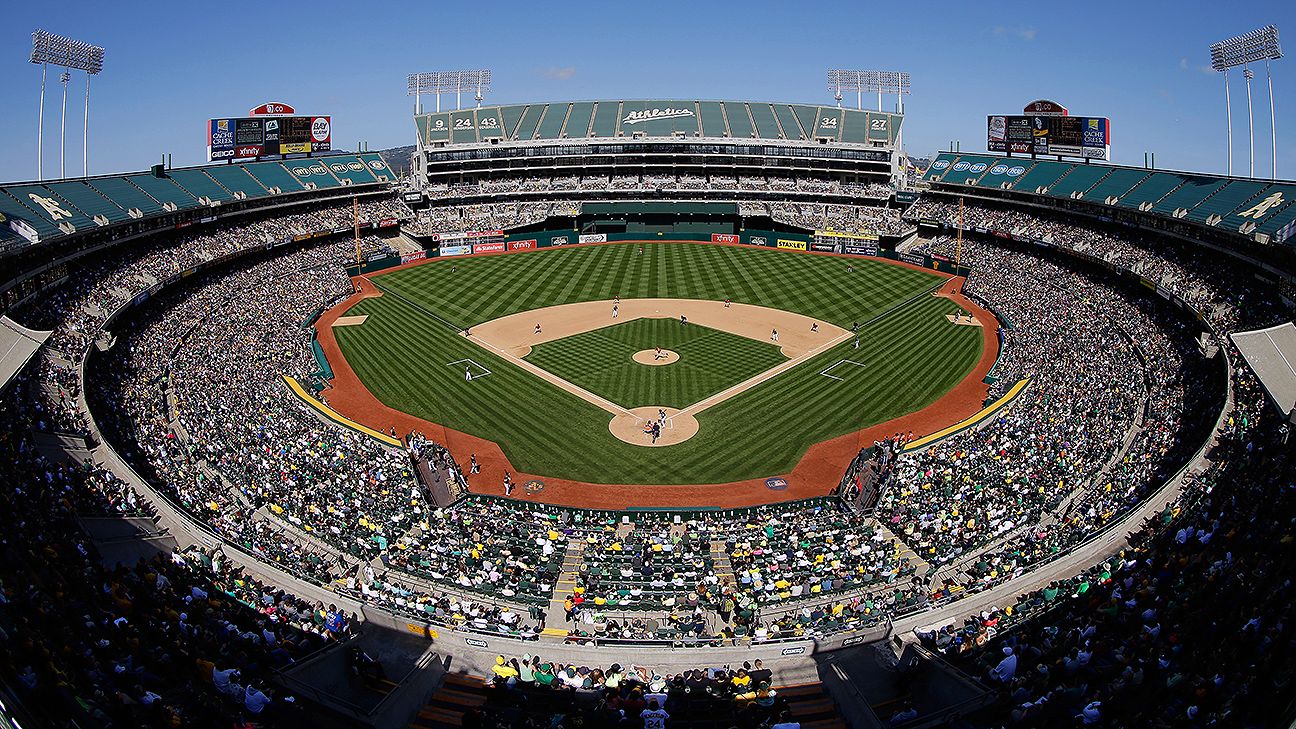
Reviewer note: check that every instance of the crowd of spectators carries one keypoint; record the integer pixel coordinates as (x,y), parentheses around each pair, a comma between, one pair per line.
(1186,627)
(660,182)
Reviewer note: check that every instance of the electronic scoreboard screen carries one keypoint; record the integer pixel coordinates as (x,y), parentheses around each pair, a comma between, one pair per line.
(265,136)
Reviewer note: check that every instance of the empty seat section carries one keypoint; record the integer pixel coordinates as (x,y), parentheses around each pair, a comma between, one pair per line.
(236,179)
(126,195)
(578,120)
(740,126)
(46,204)
(378,166)
(855,126)
(1116,183)
(1079,179)
(968,169)
(463,127)
(807,115)
(488,124)
(1259,208)
(1226,200)
(788,120)
(605,118)
(1041,174)
(1193,191)
(940,166)
(1151,189)
(713,123)
(351,169)
(200,185)
(40,221)
(509,117)
(273,174)
(552,122)
(659,117)
(526,126)
(311,172)
(164,190)
(766,126)
(1002,173)
(89,201)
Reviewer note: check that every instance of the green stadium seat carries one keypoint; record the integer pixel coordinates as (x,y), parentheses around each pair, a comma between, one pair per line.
(1227,199)
(89,200)
(766,125)
(1041,174)
(273,175)
(1191,193)
(968,169)
(1117,182)
(1002,173)
(200,185)
(378,166)
(1150,190)
(164,190)
(713,121)
(125,195)
(351,170)
(606,114)
(45,204)
(1256,211)
(463,127)
(651,117)
(788,120)
(41,224)
(578,120)
(311,173)
(739,123)
(1079,179)
(857,126)
(236,179)
(526,126)
(551,123)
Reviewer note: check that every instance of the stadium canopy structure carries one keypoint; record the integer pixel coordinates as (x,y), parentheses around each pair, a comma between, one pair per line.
(17,345)
(1272,354)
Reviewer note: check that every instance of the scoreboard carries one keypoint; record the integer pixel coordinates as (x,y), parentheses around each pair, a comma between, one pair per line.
(253,137)
(1069,136)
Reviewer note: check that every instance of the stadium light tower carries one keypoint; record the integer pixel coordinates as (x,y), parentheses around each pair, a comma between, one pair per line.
(1241,51)
(71,54)
(883,82)
(444,82)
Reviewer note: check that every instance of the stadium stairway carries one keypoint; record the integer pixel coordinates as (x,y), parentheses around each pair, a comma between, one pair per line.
(460,694)
(906,552)
(723,567)
(555,615)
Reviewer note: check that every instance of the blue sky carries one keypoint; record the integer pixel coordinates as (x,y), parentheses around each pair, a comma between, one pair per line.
(171,66)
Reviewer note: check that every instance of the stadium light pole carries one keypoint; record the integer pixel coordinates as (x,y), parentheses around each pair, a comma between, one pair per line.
(890,82)
(63,78)
(1241,51)
(1248,75)
(73,55)
(444,82)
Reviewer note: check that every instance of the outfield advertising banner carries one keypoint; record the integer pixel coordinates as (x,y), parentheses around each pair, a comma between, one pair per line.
(724,238)
(759,240)
(791,245)
(492,247)
(522,245)
(861,249)
(459,250)
(917,259)
(593,238)
(559,240)
(824,247)
(412,257)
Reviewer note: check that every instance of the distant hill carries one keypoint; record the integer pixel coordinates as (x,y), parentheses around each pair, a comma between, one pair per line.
(398,159)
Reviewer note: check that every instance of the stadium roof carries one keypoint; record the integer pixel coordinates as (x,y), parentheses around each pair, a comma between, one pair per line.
(662,118)
(1272,354)
(17,345)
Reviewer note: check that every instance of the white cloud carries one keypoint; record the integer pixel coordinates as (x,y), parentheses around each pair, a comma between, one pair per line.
(1027,34)
(559,74)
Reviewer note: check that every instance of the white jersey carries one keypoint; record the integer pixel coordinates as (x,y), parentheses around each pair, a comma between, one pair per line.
(654,719)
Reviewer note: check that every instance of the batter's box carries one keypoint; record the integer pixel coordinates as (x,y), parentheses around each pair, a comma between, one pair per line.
(472,369)
(839,362)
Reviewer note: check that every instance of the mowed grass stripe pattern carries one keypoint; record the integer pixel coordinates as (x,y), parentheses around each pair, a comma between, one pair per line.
(710,361)
(911,356)
(473,290)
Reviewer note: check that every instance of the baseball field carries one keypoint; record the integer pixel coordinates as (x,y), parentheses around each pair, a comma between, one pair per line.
(525,350)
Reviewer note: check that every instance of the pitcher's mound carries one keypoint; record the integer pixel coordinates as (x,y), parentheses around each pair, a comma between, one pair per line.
(677,428)
(649,357)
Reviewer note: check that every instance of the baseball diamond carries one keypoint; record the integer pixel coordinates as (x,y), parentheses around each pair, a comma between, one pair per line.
(555,423)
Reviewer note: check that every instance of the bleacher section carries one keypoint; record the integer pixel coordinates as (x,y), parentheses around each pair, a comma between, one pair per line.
(659,118)
(1247,207)
(35,212)
(237,180)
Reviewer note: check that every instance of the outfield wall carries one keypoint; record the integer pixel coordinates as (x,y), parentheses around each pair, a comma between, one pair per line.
(497,242)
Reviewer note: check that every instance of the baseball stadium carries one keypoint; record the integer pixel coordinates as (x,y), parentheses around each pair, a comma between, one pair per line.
(647,413)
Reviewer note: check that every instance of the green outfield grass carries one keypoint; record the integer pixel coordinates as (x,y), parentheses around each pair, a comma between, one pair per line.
(909,355)
(710,360)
